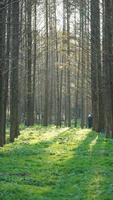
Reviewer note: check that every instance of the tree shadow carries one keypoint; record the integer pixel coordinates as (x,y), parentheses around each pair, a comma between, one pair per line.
(101,182)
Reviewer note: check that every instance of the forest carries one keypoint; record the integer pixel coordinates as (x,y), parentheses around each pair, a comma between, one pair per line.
(56,71)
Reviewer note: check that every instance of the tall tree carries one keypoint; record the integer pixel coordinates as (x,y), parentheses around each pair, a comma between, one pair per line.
(68,65)
(2,73)
(34,56)
(30,104)
(14,127)
(107,67)
(46,71)
(95,62)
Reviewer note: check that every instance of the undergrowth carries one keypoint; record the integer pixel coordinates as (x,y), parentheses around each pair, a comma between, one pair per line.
(57,164)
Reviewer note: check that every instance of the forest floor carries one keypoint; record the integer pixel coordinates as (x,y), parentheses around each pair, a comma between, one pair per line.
(57,164)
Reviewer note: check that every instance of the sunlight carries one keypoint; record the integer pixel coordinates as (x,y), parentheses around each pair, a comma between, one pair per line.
(93,143)
(34,136)
(51,135)
(65,146)
(53,162)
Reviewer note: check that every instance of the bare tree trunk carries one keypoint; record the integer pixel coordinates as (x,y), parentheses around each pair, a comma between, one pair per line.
(46,71)
(2,73)
(34,58)
(68,66)
(14,129)
(30,107)
(107,49)
(95,61)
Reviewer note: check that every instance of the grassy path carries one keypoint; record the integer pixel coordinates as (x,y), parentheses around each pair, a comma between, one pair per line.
(57,164)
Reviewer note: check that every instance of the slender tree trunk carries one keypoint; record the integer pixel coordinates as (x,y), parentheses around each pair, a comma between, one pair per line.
(2,73)
(34,57)
(30,107)
(68,66)
(7,63)
(95,61)
(14,129)
(46,71)
(82,66)
(107,49)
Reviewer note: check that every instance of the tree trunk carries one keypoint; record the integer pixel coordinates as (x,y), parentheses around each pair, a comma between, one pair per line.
(95,61)
(45,122)
(2,73)
(14,128)
(30,107)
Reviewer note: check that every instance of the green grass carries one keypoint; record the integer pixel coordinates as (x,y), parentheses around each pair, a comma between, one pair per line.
(57,164)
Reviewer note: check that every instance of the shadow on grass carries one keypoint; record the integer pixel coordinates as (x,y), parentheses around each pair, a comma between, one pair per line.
(74,172)
(101,182)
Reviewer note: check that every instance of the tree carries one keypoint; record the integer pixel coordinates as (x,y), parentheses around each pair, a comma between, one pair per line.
(14,127)
(45,122)
(95,62)
(2,73)
(68,65)
(30,99)
(107,67)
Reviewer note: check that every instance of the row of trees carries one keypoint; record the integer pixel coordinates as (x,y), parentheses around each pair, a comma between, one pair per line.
(102,65)
(9,53)
(55,59)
